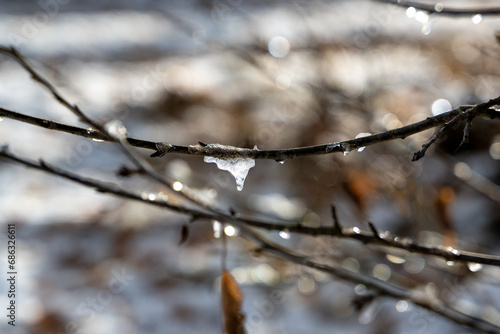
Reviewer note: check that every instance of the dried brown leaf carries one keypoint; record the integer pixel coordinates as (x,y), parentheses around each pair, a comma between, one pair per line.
(231,305)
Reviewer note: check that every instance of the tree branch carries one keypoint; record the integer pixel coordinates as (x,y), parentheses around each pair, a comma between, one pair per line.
(444,10)
(337,231)
(417,297)
(162,148)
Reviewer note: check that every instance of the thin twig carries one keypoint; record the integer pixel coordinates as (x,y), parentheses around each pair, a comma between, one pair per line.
(420,154)
(382,239)
(280,155)
(417,297)
(444,9)
(140,163)
(382,287)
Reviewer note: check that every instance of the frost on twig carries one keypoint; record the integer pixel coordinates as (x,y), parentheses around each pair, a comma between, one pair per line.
(238,167)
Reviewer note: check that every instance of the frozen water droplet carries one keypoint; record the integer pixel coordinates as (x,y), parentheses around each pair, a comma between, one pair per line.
(230,231)
(177,186)
(356,230)
(92,131)
(144,195)
(474,267)
(116,129)
(410,12)
(395,259)
(450,263)
(421,16)
(282,162)
(1,119)
(151,197)
(347,149)
(238,167)
(453,251)
(476,19)
(284,234)
(361,135)
(332,147)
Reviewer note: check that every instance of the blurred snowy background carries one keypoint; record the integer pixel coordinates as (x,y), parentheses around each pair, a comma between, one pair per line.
(274,74)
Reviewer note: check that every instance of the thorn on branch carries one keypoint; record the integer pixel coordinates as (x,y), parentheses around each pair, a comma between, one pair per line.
(232,211)
(202,144)
(184,234)
(374,230)
(336,223)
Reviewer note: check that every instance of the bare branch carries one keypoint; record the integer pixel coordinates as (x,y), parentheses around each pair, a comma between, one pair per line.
(420,154)
(443,9)
(202,149)
(383,288)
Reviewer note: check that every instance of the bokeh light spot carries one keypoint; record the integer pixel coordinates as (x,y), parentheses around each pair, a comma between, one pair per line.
(440,106)
(279,46)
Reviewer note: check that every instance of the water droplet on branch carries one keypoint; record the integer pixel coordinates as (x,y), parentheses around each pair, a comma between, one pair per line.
(361,135)
(177,186)
(476,19)
(284,234)
(474,267)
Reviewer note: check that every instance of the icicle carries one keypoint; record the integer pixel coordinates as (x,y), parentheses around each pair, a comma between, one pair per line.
(238,167)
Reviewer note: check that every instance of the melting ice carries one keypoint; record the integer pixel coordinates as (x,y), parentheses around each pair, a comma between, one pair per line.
(239,167)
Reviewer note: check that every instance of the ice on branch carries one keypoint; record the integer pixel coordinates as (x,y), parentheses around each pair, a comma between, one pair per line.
(238,167)
(361,135)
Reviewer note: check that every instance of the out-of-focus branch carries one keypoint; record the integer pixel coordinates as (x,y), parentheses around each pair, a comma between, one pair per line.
(420,154)
(162,148)
(337,230)
(103,133)
(373,237)
(383,288)
(417,297)
(441,9)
